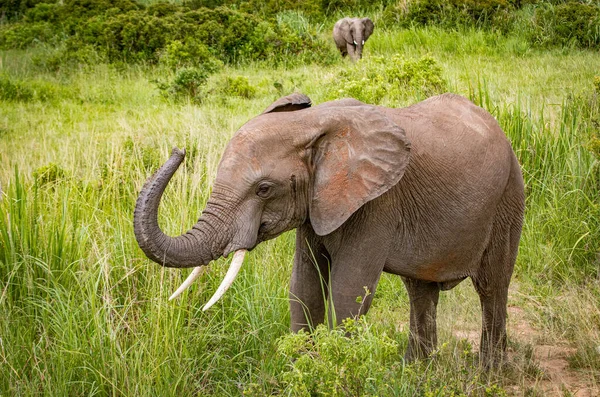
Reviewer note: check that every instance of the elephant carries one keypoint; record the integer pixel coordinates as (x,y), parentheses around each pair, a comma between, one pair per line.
(432,193)
(350,35)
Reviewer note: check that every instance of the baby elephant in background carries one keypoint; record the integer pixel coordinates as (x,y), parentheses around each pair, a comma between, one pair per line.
(350,35)
(432,193)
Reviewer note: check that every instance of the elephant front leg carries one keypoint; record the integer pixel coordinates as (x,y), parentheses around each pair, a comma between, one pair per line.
(355,272)
(423,297)
(309,282)
(351,50)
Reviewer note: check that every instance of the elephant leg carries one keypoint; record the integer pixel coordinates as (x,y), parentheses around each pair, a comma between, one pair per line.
(423,298)
(493,278)
(356,267)
(309,282)
(493,336)
(351,50)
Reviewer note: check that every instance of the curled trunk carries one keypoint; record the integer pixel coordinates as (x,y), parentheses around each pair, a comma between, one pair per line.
(187,250)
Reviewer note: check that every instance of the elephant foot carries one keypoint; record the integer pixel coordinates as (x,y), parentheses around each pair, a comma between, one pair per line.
(493,361)
(416,352)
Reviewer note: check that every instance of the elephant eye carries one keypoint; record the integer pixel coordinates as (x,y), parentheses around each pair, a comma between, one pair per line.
(263,190)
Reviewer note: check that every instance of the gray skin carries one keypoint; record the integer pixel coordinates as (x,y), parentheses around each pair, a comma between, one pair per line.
(432,193)
(350,35)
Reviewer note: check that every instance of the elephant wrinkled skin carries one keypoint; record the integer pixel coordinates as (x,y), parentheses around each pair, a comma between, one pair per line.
(350,35)
(432,193)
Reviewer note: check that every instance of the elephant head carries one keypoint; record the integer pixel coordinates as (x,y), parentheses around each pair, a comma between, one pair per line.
(350,35)
(290,165)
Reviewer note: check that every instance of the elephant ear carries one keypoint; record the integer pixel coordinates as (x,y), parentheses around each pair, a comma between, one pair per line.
(358,155)
(369,26)
(289,103)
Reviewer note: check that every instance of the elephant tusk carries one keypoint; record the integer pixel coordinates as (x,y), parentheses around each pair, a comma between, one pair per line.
(188,281)
(234,268)
(355,43)
(363,42)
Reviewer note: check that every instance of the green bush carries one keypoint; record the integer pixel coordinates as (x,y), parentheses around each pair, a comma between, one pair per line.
(190,53)
(264,9)
(332,6)
(17,90)
(188,83)
(125,31)
(368,363)
(569,23)
(14,90)
(65,57)
(237,86)
(22,35)
(13,9)
(327,363)
(377,78)
(449,14)
(49,174)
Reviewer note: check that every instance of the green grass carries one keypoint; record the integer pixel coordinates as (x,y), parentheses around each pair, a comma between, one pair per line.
(82,311)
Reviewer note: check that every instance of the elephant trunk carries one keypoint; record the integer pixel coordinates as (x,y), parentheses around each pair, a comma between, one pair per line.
(187,250)
(359,42)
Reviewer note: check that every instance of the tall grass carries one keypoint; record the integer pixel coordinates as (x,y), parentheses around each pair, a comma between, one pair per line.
(82,311)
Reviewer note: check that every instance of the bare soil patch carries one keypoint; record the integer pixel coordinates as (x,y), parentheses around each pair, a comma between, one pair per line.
(555,377)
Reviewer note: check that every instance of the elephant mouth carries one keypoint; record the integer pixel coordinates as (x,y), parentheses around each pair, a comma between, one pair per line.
(237,246)
(267,231)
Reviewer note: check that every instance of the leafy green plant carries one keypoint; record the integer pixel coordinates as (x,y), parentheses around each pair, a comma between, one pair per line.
(571,23)
(449,14)
(187,83)
(127,31)
(49,174)
(376,78)
(190,53)
(14,90)
(21,90)
(237,86)
(327,363)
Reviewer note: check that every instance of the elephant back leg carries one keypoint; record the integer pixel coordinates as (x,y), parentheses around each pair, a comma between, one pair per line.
(493,277)
(423,298)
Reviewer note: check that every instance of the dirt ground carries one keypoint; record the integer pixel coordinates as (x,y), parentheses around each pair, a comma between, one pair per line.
(556,378)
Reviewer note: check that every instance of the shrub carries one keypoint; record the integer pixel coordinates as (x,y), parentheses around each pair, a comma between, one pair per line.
(190,53)
(13,9)
(424,74)
(450,14)
(49,174)
(395,78)
(331,6)
(328,363)
(65,57)
(14,90)
(566,24)
(238,86)
(22,35)
(187,84)
(126,31)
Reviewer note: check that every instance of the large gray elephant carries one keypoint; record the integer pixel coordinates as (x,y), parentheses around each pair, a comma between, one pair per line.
(350,35)
(432,193)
